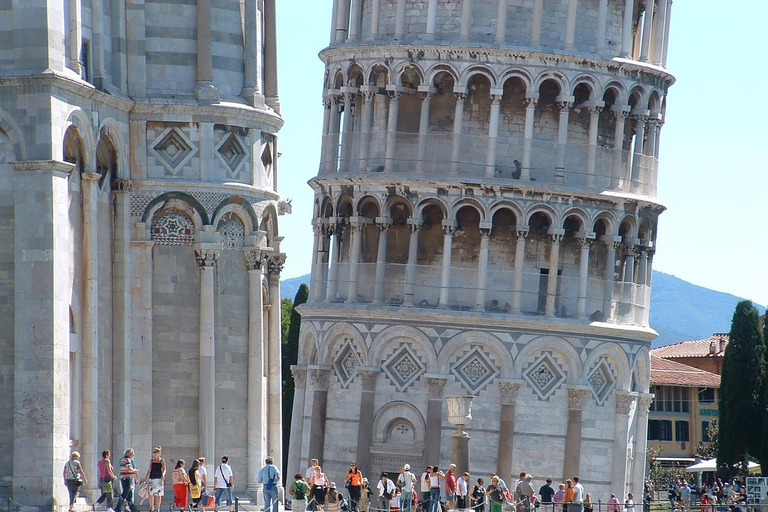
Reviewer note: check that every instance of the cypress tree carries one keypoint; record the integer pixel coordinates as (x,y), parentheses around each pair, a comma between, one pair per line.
(741,392)
(291,357)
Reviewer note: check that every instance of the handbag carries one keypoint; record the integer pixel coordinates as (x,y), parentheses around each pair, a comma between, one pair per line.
(143,490)
(106,486)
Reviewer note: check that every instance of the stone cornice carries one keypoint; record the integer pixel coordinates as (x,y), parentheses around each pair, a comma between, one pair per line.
(460,319)
(145,107)
(470,50)
(55,166)
(151,185)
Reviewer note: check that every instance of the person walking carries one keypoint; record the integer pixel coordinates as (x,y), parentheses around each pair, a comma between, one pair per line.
(156,477)
(180,484)
(525,492)
(299,491)
(333,499)
(386,490)
(353,480)
(269,475)
(203,474)
(106,479)
(629,503)
(613,504)
(424,486)
(450,487)
(365,496)
(406,480)
(310,474)
(223,482)
(319,487)
(495,494)
(74,478)
(462,492)
(434,488)
(196,489)
(129,476)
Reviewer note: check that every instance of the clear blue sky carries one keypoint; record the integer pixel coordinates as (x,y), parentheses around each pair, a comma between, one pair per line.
(711,175)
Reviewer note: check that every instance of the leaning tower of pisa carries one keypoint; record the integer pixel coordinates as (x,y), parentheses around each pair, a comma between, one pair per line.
(485,221)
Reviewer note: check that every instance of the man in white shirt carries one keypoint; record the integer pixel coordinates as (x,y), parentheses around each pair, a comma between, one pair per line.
(462,489)
(223,482)
(629,503)
(578,490)
(310,474)
(406,479)
(424,506)
(386,490)
(203,473)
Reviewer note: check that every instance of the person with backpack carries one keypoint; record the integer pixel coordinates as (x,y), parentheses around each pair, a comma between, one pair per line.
(386,490)
(299,491)
(269,475)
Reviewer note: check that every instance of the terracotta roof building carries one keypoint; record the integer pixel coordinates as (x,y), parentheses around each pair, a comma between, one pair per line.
(706,354)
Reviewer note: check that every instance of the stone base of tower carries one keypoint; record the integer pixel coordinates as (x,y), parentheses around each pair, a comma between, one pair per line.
(575,395)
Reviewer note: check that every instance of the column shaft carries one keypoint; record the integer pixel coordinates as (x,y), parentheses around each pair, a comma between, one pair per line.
(346,141)
(207,384)
(431,20)
(356,232)
(434,420)
(333,280)
(641,441)
(530,111)
(659,33)
(121,326)
(458,123)
(389,155)
(626,32)
(666,34)
(342,20)
(297,420)
(97,47)
(517,287)
(594,119)
(315,271)
(570,25)
(501,22)
(252,52)
(319,411)
(205,91)
(610,270)
(573,432)
(554,257)
(538,6)
(493,133)
(274,364)
(645,47)
(365,129)
(400,20)
(75,35)
(618,148)
(324,147)
(621,442)
(602,20)
(638,157)
(323,259)
(562,141)
(583,274)
(381,265)
(375,10)
(354,19)
(426,99)
(90,314)
(445,281)
(334,22)
(365,424)
(466,19)
(256,392)
(333,136)
(482,270)
(410,269)
(506,441)
(270,56)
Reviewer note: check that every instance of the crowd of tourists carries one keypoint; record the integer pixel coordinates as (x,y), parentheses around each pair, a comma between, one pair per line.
(189,484)
(712,494)
(438,491)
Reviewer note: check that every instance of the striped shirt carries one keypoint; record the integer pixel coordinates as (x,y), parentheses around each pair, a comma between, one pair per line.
(127,468)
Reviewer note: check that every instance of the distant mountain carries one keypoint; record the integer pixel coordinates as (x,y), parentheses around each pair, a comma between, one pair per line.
(680,310)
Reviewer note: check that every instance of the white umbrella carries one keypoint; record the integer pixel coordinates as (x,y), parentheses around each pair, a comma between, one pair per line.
(711,465)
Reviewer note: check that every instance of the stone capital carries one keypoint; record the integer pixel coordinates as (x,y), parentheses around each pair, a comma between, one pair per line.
(436,385)
(531,101)
(320,376)
(275,264)
(299,374)
(624,402)
(576,397)
(122,185)
(414,224)
(90,176)
(644,403)
(254,258)
(509,391)
(206,258)
(368,377)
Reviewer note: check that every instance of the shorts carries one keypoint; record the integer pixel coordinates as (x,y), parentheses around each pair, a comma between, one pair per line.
(156,487)
(450,496)
(461,502)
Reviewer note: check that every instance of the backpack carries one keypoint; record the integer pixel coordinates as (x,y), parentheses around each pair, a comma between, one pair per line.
(298,491)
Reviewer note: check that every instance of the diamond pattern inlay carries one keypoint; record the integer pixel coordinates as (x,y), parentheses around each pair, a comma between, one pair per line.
(232,153)
(601,381)
(173,150)
(346,363)
(475,370)
(545,376)
(403,367)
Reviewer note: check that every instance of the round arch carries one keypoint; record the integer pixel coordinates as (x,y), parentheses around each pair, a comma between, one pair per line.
(631,222)
(618,357)
(243,208)
(559,78)
(398,410)
(467,201)
(418,338)
(110,128)
(436,69)
(403,67)
(79,120)
(554,344)
(336,335)
(609,219)
(15,135)
(359,203)
(180,200)
(308,344)
(618,89)
(473,71)
(578,213)
(476,338)
(431,201)
(547,210)
(591,82)
(517,73)
(506,205)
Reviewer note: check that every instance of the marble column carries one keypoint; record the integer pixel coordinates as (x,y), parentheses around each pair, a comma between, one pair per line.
(638,156)
(323,259)
(270,55)
(333,278)
(365,423)
(602,20)
(334,134)
(391,148)
(434,420)
(426,93)
(666,35)
(576,397)
(530,111)
(493,133)
(626,31)
(410,269)
(629,262)
(121,307)
(206,260)
(356,239)
(97,47)
(375,10)
(517,287)
(317,231)
(458,123)
(299,374)
(617,168)
(350,96)
(254,262)
(625,402)
(205,91)
(628,289)
(562,140)
(505,454)
(570,25)
(466,19)
(342,20)
(445,279)
(324,146)
(659,28)
(89,341)
(380,282)
(538,7)
(355,14)
(366,125)
(75,35)
(501,22)
(581,307)
(252,53)
(274,359)
(431,20)
(641,442)
(611,243)
(645,48)
(594,119)
(554,263)
(482,266)
(320,377)
(400,20)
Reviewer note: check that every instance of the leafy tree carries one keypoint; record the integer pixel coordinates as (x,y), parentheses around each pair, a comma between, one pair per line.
(291,327)
(709,450)
(742,403)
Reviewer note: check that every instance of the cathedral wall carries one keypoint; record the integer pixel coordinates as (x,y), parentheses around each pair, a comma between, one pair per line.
(105,295)
(175,351)
(171,47)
